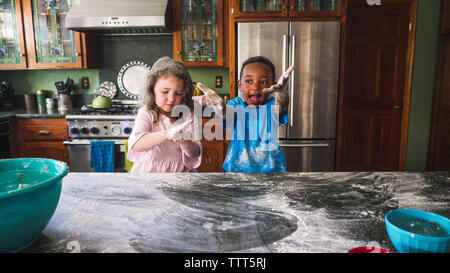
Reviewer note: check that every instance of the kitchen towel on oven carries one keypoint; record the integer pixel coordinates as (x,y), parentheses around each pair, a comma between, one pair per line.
(102,156)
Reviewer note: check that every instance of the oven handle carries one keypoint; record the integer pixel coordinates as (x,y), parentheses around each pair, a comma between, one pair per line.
(88,141)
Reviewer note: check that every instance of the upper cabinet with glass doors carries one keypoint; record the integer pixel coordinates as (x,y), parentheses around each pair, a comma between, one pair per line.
(49,45)
(12,44)
(198,34)
(287,8)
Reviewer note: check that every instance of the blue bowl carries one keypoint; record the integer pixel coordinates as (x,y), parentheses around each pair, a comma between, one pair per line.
(29,193)
(416,231)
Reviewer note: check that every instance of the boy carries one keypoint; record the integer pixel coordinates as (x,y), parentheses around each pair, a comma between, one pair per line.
(254,118)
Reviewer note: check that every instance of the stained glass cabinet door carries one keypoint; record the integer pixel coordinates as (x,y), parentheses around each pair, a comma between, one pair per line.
(199,41)
(53,45)
(12,46)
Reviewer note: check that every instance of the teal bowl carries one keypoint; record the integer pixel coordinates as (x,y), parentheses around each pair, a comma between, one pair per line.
(29,194)
(417,231)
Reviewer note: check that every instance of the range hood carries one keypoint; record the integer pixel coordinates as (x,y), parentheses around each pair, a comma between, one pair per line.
(139,17)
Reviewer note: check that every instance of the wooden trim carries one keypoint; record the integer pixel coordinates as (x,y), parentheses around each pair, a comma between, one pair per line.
(177,45)
(408,85)
(435,155)
(226,33)
(232,47)
(339,116)
(13,136)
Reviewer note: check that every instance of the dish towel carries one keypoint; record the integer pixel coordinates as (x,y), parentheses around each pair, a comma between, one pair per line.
(128,164)
(102,156)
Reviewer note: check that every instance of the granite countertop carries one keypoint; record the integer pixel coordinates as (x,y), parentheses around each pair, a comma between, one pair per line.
(34,113)
(249,213)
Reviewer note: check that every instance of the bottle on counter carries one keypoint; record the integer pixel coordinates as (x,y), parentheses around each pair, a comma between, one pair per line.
(64,102)
(30,101)
(40,99)
(50,102)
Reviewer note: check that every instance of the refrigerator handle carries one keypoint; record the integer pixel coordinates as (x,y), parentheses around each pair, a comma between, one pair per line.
(305,145)
(285,50)
(291,84)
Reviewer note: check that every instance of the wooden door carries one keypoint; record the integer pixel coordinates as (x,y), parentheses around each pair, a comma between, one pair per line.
(439,151)
(374,92)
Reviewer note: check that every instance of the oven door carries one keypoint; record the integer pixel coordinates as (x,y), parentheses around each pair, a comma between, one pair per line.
(80,155)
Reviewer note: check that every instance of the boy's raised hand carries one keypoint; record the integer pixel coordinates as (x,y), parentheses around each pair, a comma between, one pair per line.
(209,98)
(281,85)
(279,90)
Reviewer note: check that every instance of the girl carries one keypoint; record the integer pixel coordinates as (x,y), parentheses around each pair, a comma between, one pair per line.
(255,117)
(155,144)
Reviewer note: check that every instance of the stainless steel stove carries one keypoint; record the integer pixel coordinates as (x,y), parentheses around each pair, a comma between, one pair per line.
(99,127)
(89,124)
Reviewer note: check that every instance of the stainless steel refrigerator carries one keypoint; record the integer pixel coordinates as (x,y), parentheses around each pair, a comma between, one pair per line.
(308,141)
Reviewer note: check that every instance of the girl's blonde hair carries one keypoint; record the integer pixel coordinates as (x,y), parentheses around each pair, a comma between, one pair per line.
(166,66)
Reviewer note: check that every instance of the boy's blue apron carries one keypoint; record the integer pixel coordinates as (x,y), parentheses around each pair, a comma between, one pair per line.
(102,156)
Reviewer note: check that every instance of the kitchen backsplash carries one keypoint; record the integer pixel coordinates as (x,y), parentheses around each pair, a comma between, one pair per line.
(114,52)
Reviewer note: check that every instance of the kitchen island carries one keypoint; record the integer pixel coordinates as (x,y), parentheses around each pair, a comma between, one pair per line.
(246,213)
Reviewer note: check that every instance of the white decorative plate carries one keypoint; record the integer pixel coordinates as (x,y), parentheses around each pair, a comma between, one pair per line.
(132,79)
(107,89)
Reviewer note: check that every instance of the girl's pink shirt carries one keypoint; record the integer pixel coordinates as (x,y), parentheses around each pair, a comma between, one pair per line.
(165,157)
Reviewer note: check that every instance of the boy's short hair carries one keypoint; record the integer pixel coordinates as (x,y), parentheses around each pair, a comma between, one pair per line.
(259,59)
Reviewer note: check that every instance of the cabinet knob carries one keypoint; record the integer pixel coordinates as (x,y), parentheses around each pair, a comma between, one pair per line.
(179,52)
(398,107)
(23,55)
(77,54)
(44,133)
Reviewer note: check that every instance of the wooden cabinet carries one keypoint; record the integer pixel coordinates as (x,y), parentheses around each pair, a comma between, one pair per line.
(287,8)
(212,156)
(198,33)
(33,36)
(40,138)
(214,150)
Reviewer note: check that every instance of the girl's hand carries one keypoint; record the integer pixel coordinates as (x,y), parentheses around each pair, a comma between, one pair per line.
(175,133)
(209,98)
(280,89)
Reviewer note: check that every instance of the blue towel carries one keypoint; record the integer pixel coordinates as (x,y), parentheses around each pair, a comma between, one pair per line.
(102,156)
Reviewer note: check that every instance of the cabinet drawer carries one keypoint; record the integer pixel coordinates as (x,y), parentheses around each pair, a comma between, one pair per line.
(43,129)
(44,133)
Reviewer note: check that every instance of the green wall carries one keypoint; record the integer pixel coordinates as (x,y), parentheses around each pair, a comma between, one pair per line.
(28,81)
(425,50)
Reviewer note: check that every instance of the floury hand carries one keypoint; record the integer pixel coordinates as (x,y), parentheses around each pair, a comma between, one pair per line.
(210,98)
(175,133)
(280,90)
